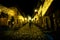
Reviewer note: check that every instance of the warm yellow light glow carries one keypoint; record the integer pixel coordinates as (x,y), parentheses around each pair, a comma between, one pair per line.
(20,17)
(11,12)
(3,9)
(44,8)
(25,18)
(0,10)
(40,10)
(36,16)
(46,5)
(35,10)
(29,18)
(32,19)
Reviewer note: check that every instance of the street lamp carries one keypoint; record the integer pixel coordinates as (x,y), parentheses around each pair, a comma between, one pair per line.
(35,10)
(29,18)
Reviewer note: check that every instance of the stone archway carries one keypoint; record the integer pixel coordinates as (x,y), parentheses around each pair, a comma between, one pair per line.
(10,12)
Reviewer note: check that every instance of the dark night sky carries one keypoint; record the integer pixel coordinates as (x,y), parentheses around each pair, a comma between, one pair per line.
(26,6)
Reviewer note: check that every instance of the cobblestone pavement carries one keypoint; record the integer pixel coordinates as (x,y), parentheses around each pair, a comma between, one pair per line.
(25,33)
